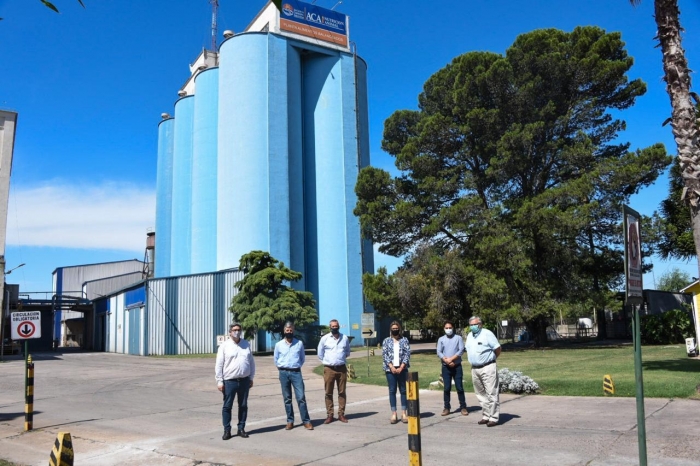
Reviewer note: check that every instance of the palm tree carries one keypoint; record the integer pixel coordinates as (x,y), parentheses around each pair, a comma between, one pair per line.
(683,119)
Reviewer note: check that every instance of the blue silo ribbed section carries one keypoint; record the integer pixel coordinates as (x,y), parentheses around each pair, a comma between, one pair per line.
(253,191)
(181,246)
(204,167)
(324,154)
(164,197)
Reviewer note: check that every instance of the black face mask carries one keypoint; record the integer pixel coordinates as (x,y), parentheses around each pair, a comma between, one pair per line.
(335,331)
(288,336)
(395,332)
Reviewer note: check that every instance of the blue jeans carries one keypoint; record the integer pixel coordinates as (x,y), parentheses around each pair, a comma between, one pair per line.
(232,388)
(289,379)
(449,373)
(397,380)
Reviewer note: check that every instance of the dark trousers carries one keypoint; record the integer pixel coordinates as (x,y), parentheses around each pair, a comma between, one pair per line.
(397,381)
(232,388)
(449,373)
(289,379)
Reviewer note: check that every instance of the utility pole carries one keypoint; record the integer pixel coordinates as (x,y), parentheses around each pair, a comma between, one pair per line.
(214,15)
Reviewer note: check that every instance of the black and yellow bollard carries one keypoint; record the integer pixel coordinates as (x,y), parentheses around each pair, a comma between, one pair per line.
(29,396)
(414,454)
(608,385)
(62,451)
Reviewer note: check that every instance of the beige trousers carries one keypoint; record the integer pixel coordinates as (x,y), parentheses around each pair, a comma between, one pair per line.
(486,389)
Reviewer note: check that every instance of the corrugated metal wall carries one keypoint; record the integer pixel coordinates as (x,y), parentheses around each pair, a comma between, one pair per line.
(103,287)
(177,315)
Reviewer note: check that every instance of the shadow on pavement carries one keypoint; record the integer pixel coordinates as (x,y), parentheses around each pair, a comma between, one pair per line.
(360,415)
(263,430)
(426,415)
(503,418)
(11,416)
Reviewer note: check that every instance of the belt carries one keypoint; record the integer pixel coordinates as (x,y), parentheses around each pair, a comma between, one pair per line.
(487,364)
(289,369)
(340,366)
(238,378)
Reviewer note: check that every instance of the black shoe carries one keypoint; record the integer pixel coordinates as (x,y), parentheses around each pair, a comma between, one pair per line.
(241,433)
(227,435)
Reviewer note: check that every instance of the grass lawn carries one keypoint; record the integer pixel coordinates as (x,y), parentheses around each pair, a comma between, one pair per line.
(668,372)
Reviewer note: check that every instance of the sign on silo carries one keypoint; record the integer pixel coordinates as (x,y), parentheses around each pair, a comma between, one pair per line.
(633,256)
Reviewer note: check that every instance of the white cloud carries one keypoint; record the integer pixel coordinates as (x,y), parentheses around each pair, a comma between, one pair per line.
(106,216)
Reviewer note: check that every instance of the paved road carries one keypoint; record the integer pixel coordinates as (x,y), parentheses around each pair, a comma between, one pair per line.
(123,410)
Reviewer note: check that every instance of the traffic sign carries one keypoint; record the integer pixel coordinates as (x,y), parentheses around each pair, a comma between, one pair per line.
(368,333)
(26,325)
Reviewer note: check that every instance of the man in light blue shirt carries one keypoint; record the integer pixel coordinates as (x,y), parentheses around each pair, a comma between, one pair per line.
(482,350)
(289,357)
(333,350)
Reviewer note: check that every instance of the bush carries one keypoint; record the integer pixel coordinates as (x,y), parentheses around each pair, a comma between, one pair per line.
(668,328)
(515,382)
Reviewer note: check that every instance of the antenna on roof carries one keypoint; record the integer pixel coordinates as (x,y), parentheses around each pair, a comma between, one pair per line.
(214,14)
(341,1)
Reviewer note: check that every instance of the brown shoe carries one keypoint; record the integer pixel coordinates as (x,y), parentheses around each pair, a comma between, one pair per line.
(445,412)
(328,420)
(342,418)
(290,426)
(465,412)
(491,424)
(483,421)
(308,426)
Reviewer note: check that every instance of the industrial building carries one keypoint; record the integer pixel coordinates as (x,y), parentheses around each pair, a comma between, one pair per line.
(262,153)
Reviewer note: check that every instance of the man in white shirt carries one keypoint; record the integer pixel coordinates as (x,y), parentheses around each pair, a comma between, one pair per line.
(482,350)
(333,350)
(235,369)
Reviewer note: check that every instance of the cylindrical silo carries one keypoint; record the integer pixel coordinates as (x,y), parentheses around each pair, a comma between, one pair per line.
(164,197)
(181,246)
(204,168)
(324,154)
(253,181)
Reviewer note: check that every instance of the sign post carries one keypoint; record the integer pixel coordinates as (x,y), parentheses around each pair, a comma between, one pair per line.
(634,298)
(368,332)
(25,326)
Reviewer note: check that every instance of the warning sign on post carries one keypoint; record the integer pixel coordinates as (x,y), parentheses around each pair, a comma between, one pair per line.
(26,325)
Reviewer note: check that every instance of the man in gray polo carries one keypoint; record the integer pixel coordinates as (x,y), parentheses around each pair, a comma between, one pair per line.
(482,350)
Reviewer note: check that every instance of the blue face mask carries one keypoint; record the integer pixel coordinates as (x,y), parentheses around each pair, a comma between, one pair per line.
(475,329)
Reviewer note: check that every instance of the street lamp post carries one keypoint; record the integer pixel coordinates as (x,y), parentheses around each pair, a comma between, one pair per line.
(5,310)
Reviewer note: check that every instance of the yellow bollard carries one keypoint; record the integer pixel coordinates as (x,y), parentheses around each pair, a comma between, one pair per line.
(29,396)
(414,453)
(608,385)
(62,451)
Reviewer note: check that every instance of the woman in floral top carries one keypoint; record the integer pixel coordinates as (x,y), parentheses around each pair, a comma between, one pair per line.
(396,352)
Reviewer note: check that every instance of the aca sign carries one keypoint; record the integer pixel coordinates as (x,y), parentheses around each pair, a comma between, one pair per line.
(633,256)
(314,21)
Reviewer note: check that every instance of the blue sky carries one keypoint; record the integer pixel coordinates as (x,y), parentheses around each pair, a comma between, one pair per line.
(90,84)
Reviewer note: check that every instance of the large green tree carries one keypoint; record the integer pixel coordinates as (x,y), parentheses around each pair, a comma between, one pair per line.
(684,122)
(674,280)
(512,176)
(265,301)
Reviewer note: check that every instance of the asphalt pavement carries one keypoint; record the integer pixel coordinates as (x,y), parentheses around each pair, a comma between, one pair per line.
(130,410)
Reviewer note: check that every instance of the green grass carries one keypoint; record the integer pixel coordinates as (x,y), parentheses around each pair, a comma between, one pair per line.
(7,463)
(668,372)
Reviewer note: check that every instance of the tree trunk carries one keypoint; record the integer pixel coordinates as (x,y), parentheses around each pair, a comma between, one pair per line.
(683,119)
(537,328)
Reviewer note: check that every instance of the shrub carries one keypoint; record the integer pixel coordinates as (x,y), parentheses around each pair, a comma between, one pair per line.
(668,328)
(515,382)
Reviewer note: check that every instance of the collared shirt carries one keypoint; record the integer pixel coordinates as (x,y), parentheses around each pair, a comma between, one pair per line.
(481,349)
(332,351)
(449,346)
(389,353)
(289,355)
(234,361)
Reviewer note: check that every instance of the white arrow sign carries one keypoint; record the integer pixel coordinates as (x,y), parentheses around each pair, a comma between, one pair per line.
(26,325)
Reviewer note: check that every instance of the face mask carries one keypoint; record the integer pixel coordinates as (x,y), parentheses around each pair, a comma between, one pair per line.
(475,329)
(288,336)
(448,331)
(335,331)
(236,334)
(395,332)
